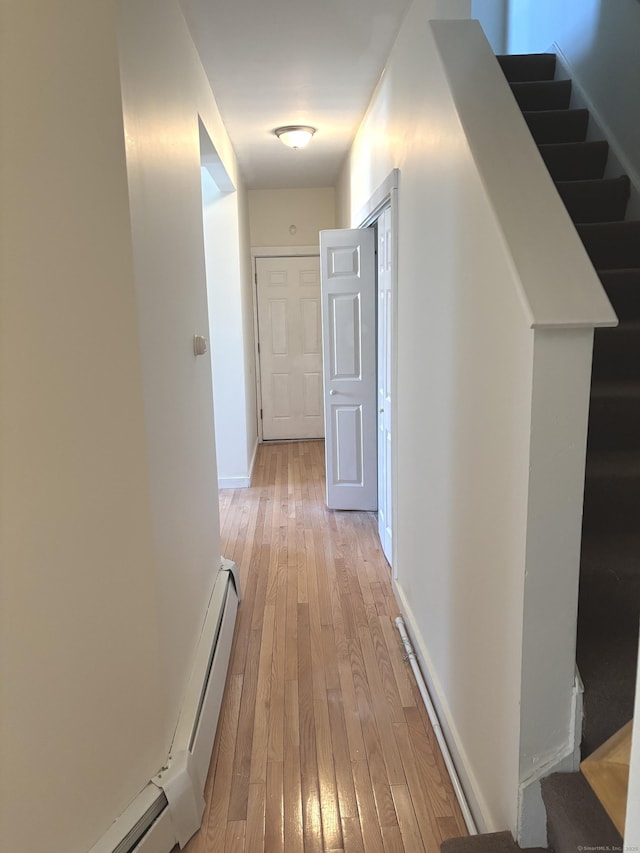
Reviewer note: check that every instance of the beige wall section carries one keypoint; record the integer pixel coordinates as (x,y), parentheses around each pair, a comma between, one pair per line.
(272,214)
(80,725)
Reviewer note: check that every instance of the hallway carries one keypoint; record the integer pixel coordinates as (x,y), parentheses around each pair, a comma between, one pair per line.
(323,743)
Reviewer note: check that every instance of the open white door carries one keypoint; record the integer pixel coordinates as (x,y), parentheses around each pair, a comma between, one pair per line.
(348,276)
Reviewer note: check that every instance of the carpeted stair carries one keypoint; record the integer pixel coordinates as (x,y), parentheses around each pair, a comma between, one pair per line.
(609,601)
(609,598)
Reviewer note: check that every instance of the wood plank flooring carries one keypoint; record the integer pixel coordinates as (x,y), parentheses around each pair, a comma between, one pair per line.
(323,744)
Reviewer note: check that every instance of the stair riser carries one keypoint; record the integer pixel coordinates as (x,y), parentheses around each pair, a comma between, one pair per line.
(533,66)
(557,125)
(616,354)
(623,290)
(611,504)
(614,424)
(544,95)
(594,201)
(575,162)
(613,245)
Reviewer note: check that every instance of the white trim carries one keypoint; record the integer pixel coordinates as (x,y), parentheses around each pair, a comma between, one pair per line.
(387,194)
(282,251)
(370,211)
(234,482)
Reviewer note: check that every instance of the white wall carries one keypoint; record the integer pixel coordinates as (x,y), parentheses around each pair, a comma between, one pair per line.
(488,482)
(272,214)
(109,512)
(164,91)
(232,365)
(492,15)
(82,724)
(599,39)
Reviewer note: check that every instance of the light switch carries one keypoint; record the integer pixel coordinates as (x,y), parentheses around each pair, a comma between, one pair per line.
(200,345)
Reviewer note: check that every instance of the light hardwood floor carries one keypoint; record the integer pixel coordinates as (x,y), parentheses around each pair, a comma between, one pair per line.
(323,743)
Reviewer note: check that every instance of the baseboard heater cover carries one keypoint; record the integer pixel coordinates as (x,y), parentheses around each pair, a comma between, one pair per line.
(169,809)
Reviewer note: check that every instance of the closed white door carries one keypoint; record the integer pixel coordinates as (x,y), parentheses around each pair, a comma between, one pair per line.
(385,355)
(290,347)
(347,260)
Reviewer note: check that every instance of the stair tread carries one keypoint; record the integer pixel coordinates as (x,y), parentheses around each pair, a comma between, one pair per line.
(607,772)
(615,389)
(618,464)
(621,273)
(487,842)
(574,814)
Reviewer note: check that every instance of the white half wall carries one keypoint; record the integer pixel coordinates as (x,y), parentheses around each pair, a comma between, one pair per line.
(490,447)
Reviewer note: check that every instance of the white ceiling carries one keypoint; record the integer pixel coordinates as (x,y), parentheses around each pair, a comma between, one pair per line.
(279,62)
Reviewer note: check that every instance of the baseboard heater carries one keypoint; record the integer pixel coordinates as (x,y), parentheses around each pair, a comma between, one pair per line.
(169,809)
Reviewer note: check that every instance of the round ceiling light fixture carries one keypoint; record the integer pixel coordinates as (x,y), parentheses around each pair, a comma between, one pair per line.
(295,135)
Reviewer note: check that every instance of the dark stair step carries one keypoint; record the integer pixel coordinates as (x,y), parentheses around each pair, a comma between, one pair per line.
(612,245)
(611,493)
(557,125)
(575,819)
(528,66)
(542,94)
(602,200)
(616,353)
(575,161)
(614,416)
(607,641)
(490,842)
(623,289)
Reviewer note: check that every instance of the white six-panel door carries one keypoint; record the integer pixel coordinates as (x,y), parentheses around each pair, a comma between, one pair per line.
(347,261)
(385,355)
(290,341)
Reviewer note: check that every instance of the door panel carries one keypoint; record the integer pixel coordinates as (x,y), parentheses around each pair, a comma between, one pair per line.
(347,260)
(289,332)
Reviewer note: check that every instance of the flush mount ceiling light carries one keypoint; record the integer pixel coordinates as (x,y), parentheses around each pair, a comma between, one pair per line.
(295,135)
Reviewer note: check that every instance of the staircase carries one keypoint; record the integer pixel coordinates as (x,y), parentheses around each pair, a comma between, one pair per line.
(609,597)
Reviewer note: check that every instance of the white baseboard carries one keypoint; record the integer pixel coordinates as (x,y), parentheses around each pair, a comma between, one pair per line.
(243,482)
(234,482)
(531,819)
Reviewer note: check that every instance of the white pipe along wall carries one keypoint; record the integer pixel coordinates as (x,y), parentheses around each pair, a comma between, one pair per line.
(437,728)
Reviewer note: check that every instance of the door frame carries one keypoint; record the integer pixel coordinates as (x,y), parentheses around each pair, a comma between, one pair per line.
(269,252)
(386,195)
